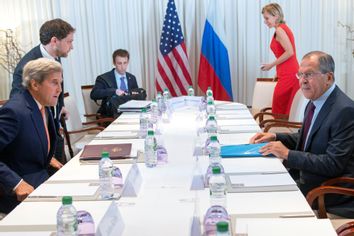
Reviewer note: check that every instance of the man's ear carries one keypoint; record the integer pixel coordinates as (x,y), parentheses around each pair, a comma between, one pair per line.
(330,78)
(34,85)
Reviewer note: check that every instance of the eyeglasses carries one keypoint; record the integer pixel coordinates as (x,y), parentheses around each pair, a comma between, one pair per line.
(308,75)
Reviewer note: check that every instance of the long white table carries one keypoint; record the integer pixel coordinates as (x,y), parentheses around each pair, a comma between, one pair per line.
(165,205)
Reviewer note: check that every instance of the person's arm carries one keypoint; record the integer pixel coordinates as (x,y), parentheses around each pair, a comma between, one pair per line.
(9,126)
(101,90)
(284,40)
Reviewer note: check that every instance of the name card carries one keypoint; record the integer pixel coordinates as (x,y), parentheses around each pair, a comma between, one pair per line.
(111,223)
(132,182)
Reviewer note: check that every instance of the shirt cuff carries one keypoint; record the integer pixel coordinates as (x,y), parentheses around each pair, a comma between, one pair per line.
(17,185)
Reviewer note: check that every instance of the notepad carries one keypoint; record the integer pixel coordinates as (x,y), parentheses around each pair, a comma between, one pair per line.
(242,150)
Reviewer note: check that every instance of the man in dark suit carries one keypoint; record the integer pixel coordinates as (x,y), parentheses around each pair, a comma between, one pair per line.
(114,87)
(56,38)
(28,133)
(324,146)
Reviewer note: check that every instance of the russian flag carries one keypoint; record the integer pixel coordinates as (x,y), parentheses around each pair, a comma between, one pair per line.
(214,68)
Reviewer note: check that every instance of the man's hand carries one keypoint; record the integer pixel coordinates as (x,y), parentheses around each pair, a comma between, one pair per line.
(276,148)
(120,92)
(65,113)
(23,190)
(262,138)
(55,163)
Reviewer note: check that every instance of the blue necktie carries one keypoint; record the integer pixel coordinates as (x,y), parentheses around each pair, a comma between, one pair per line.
(122,84)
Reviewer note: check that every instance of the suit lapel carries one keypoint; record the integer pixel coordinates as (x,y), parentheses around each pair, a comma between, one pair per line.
(37,121)
(325,110)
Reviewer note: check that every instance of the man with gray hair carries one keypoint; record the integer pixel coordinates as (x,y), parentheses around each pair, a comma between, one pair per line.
(28,132)
(324,146)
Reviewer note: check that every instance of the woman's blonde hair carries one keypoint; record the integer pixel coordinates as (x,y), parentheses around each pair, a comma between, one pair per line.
(275,10)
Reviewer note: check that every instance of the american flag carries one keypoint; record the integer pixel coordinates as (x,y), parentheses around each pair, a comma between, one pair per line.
(173,70)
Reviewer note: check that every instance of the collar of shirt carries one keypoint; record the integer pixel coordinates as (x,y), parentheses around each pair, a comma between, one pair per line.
(321,100)
(44,52)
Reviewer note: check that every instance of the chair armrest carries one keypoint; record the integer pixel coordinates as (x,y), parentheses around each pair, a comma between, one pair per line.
(266,109)
(98,121)
(268,124)
(319,192)
(338,180)
(100,128)
(345,229)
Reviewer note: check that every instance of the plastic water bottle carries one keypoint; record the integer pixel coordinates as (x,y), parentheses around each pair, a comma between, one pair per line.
(217,186)
(211,126)
(209,171)
(154,111)
(209,95)
(150,149)
(160,104)
(214,215)
(86,225)
(105,173)
(222,228)
(213,148)
(67,218)
(211,110)
(190,91)
(144,120)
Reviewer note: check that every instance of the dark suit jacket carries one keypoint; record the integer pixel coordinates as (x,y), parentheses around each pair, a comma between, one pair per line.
(330,147)
(17,87)
(106,86)
(23,146)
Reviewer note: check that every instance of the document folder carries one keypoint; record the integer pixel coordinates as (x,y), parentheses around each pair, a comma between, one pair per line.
(243,150)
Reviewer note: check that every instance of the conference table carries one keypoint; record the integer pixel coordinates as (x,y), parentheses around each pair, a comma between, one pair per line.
(167,199)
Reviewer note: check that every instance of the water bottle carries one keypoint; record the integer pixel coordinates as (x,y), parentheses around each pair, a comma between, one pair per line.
(209,95)
(86,225)
(211,126)
(105,173)
(211,110)
(190,91)
(217,187)
(214,215)
(67,218)
(144,120)
(213,148)
(222,228)
(150,153)
(160,104)
(154,111)
(209,171)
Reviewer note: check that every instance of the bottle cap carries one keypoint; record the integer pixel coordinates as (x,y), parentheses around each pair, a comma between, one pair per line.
(211,117)
(209,88)
(213,138)
(216,170)
(105,154)
(150,132)
(143,109)
(190,86)
(210,102)
(222,226)
(166,89)
(153,100)
(67,200)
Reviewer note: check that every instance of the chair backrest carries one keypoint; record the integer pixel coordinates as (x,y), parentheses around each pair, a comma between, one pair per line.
(74,122)
(91,107)
(263,93)
(298,107)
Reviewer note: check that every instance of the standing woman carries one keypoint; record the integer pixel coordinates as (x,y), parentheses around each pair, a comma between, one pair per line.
(283,47)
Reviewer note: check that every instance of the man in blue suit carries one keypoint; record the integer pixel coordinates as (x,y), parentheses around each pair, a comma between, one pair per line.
(324,146)
(56,38)
(28,132)
(115,87)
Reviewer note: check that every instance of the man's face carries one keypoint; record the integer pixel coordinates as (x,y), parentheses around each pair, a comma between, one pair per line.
(121,64)
(63,47)
(47,92)
(313,83)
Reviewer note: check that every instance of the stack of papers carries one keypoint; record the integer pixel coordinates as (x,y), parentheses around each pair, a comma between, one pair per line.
(134,106)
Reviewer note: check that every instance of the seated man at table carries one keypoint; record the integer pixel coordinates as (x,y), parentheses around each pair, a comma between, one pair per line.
(324,146)
(27,132)
(116,86)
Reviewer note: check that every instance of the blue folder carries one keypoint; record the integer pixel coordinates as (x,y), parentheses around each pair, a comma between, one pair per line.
(243,150)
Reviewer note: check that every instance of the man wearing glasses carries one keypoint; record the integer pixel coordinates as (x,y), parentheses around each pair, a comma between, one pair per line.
(324,146)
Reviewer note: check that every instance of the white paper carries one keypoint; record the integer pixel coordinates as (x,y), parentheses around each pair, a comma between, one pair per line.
(111,223)
(261,179)
(136,104)
(61,189)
